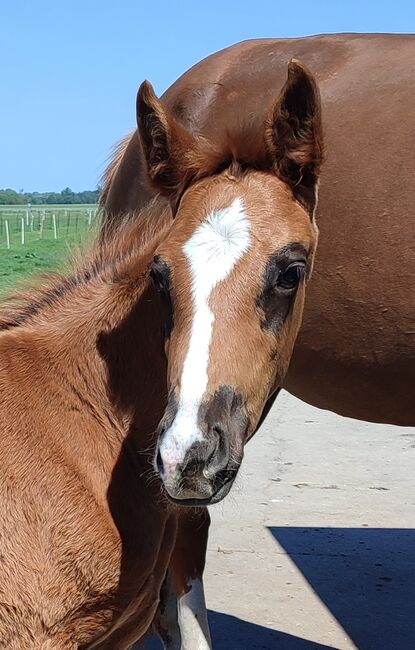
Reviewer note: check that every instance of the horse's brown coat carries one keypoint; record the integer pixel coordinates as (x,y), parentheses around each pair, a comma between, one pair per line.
(73,500)
(86,533)
(356,349)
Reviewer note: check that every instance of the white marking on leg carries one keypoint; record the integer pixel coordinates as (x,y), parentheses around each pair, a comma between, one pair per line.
(212,251)
(193,621)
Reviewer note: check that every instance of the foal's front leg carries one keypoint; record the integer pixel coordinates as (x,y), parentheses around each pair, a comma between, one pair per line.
(166,622)
(182,621)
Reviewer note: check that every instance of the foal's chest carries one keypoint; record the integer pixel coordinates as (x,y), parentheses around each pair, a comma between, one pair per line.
(76,566)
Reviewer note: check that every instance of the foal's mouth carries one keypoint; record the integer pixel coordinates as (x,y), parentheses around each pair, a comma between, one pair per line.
(220,489)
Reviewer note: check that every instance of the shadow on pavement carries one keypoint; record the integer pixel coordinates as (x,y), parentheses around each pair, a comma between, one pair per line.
(231,633)
(364,576)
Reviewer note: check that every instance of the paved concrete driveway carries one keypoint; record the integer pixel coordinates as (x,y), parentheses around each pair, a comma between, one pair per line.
(315,546)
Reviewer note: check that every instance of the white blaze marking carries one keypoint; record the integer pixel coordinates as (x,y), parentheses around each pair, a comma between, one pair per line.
(212,251)
(193,621)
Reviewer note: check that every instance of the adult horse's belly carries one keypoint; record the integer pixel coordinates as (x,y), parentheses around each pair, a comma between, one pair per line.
(356,350)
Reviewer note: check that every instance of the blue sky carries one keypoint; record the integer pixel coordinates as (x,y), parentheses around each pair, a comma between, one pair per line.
(71,68)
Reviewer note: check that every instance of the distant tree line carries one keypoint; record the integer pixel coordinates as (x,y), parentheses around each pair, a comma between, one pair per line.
(67,196)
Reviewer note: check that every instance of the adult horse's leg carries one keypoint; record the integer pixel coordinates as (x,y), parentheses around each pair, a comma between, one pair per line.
(182,618)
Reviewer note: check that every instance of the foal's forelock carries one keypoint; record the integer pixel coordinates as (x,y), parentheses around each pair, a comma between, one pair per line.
(212,253)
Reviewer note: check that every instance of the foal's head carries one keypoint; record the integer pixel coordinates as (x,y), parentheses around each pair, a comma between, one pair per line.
(232,272)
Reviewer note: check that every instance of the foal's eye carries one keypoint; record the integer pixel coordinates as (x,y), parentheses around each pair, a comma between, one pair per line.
(289,279)
(156,278)
(160,277)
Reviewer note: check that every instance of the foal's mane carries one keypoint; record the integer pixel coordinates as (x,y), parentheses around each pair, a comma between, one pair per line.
(112,167)
(110,262)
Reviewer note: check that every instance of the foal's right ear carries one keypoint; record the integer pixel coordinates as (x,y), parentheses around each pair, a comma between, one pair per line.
(170,149)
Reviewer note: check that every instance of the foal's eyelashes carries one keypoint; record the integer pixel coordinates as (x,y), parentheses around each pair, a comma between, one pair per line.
(160,276)
(284,271)
(289,279)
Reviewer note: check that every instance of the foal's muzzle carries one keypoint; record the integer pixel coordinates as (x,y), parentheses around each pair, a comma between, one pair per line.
(202,471)
(205,475)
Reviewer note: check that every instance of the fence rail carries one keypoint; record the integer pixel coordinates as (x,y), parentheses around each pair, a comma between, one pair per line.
(21,225)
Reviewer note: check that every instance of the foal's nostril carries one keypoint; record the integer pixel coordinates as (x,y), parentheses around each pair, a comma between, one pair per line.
(222,444)
(219,455)
(204,459)
(159,463)
(218,430)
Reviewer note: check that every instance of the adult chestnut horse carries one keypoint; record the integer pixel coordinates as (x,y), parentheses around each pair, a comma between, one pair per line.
(356,350)
(167,343)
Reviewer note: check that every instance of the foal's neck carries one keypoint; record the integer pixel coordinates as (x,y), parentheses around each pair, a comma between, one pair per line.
(102,334)
(120,327)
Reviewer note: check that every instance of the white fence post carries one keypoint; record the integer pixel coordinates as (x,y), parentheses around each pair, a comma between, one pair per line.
(6,227)
(22,225)
(55,232)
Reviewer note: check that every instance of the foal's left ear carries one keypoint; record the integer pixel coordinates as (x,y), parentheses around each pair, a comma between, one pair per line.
(294,134)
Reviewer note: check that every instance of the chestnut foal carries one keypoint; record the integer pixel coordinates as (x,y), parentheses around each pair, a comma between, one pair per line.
(166,344)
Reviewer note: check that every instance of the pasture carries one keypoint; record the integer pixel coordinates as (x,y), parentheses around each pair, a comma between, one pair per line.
(39,239)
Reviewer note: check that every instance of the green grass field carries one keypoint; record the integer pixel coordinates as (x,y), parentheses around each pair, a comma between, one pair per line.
(41,251)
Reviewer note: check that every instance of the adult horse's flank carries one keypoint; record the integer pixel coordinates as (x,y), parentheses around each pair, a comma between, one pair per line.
(356,349)
(166,344)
